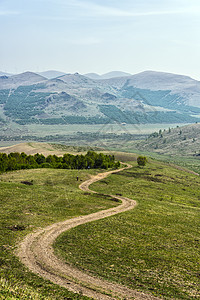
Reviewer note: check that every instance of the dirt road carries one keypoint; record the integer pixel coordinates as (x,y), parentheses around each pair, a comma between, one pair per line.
(36,252)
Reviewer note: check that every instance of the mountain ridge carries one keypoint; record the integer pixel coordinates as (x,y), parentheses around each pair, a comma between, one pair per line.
(50,74)
(25,78)
(29,99)
(108,75)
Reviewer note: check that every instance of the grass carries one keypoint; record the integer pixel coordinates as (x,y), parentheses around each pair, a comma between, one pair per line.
(189,162)
(54,196)
(154,248)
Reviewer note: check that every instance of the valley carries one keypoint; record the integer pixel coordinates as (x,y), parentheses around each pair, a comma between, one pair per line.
(32,106)
(150,251)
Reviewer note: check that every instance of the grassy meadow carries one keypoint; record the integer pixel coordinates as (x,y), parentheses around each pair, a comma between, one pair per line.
(54,196)
(156,246)
(189,162)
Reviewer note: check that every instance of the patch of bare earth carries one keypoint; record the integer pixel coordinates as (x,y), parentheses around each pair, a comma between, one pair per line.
(36,252)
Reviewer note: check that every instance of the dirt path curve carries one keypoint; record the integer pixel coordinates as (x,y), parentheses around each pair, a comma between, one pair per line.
(36,252)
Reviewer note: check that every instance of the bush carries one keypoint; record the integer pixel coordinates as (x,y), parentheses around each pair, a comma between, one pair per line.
(142,161)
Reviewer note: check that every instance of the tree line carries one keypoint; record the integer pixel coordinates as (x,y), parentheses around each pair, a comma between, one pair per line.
(92,160)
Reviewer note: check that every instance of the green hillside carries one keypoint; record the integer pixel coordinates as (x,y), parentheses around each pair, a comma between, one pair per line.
(28,103)
(53,196)
(154,247)
(179,141)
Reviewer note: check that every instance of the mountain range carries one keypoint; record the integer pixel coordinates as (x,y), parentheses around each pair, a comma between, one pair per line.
(5,74)
(147,97)
(108,75)
(50,74)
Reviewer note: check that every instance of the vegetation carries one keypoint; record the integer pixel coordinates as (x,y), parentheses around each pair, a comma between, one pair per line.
(181,162)
(160,98)
(3,96)
(76,137)
(179,141)
(92,160)
(131,117)
(25,103)
(53,196)
(84,120)
(142,161)
(64,120)
(154,247)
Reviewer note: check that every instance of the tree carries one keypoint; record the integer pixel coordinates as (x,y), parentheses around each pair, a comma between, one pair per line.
(17,161)
(39,158)
(3,162)
(142,161)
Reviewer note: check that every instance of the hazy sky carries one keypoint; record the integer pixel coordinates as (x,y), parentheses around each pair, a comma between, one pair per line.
(100,36)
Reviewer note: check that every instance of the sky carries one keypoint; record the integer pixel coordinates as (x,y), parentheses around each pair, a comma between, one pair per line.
(100,36)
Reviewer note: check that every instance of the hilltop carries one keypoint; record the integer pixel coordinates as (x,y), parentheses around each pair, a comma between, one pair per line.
(108,75)
(50,74)
(46,149)
(23,79)
(5,74)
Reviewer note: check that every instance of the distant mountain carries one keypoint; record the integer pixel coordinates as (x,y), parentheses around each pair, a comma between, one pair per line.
(50,74)
(153,85)
(114,74)
(145,98)
(26,78)
(5,74)
(161,81)
(76,79)
(93,76)
(109,75)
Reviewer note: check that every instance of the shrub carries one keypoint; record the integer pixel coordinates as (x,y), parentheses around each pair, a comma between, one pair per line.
(142,161)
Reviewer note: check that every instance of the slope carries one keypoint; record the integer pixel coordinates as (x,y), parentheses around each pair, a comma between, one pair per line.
(179,141)
(28,101)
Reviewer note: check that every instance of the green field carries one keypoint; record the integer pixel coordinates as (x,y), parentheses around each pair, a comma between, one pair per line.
(153,248)
(54,196)
(156,246)
(187,162)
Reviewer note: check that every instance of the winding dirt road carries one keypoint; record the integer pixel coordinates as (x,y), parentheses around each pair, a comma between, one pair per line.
(36,252)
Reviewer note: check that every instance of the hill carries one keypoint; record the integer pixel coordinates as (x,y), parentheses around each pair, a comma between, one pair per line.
(93,76)
(14,81)
(156,240)
(179,141)
(184,86)
(147,248)
(5,74)
(46,149)
(165,88)
(108,75)
(54,196)
(50,74)
(28,101)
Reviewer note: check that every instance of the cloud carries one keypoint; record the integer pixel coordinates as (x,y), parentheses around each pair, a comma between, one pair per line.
(73,10)
(95,10)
